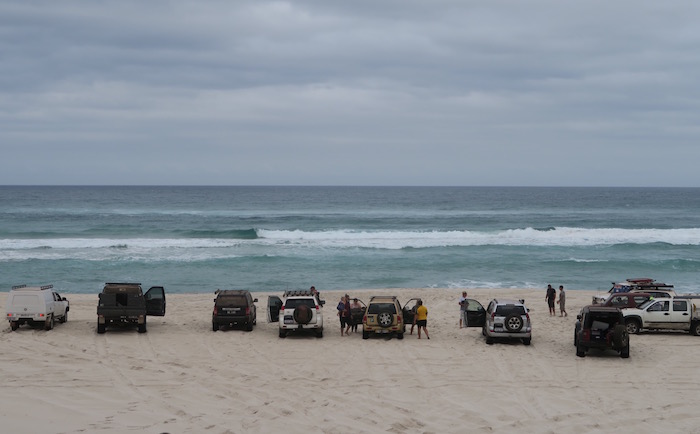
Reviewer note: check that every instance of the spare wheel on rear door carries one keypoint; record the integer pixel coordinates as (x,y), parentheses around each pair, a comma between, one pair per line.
(514,323)
(302,314)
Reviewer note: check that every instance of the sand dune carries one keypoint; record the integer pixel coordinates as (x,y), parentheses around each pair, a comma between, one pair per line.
(181,377)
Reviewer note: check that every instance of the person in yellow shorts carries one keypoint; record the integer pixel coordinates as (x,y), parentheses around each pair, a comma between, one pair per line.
(422,318)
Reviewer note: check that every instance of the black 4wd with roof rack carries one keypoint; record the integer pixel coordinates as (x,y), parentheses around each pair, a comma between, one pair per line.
(125,303)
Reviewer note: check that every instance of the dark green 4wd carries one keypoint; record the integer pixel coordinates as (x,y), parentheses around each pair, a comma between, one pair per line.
(234,307)
(603,328)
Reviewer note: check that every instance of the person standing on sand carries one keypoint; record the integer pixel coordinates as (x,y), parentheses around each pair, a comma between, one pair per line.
(422,318)
(353,306)
(562,301)
(550,297)
(348,315)
(341,315)
(463,305)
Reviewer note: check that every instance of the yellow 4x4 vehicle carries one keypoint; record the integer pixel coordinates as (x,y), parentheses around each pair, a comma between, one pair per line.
(383,316)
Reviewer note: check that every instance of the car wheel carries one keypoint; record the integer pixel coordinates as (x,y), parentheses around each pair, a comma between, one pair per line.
(302,314)
(695,328)
(365,335)
(319,334)
(625,353)
(633,326)
(514,323)
(580,351)
(283,334)
(527,341)
(14,325)
(142,327)
(49,323)
(64,318)
(489,340)
(399,336)
(384,319)
(100,328)
(215,326)
(249,327)
(621,338)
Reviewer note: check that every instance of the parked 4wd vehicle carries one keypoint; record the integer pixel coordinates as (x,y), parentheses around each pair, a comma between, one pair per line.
(300,311)
(507,319)
(35,305)
(626,300)
(125,303)
(234,307)
(641,284)
(383,316)
(601,327)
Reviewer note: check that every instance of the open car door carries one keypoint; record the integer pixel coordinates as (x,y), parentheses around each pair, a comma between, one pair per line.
(155,301)
(358,313)
(476,314)
(274,305)
(409,310)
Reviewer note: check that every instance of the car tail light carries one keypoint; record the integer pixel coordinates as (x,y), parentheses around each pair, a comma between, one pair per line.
(398,318)
(586,335)
(364,318)
(40,315)
(247,311)
(493,316)
(216,310)
(281,308)
(318,308)
(527,315)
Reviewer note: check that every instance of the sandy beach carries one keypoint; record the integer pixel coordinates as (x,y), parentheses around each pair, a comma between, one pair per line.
(181,377)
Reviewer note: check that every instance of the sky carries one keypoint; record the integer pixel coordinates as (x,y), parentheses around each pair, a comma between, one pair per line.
(380,92)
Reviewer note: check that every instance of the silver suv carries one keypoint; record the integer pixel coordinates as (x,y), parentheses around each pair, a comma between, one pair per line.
(507,319)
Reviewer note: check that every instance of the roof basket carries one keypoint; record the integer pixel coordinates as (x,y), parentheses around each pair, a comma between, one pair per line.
(299,292)
(122,283)
(19,286)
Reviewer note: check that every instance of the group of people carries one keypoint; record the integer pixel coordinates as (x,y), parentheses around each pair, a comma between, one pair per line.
(345,309)
(551,298)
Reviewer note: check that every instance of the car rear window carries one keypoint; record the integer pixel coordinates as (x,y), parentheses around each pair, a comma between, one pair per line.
(508,309)
(293,303)
(375,308)
(601,320)
(231,301)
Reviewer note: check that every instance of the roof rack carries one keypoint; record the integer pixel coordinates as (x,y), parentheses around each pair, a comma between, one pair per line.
(298,292)
(33,288)
(122,283)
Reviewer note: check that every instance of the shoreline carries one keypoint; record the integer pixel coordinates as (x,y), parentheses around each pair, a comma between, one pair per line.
(181,376)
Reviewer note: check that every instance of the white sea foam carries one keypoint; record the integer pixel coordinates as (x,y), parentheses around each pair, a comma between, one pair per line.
(566,237)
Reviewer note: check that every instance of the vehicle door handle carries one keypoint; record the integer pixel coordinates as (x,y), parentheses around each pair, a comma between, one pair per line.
(667,313)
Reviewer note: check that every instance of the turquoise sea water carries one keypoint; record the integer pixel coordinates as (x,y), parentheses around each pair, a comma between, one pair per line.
(197,239)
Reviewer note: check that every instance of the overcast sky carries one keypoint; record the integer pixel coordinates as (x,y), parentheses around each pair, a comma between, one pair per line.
(537,92)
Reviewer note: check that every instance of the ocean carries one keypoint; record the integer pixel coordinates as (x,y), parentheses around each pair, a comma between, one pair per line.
(194,239)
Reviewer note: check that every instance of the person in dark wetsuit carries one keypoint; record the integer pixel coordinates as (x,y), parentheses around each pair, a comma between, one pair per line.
(550,297)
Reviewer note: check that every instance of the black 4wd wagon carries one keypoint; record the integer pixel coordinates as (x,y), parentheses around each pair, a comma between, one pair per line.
(601,327)
(234,307)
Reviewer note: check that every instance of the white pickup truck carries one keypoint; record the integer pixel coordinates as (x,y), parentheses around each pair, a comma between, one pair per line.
(677,313)
(36,305)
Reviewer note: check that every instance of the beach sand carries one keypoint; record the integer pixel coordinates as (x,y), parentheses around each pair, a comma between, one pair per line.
(181,377)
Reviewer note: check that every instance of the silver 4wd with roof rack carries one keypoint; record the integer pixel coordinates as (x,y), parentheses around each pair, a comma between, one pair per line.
(503,318)
(35,305)
(296,311)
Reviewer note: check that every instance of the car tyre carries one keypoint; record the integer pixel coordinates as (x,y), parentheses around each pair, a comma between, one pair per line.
(49,323)
(302,314)
(625,353)
(399,335)
(621,338)
(527,341)
(365,335)
(142,327)
(489,340)
(319,334)
(580,351)
(100,328)
(633,326)
(215,326)
(514,323)
(14,325)
(64,318)
(283,334)
(695,328)
(249,327)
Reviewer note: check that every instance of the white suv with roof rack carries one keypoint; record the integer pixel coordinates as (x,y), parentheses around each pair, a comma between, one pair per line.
(299,311)
(36,305)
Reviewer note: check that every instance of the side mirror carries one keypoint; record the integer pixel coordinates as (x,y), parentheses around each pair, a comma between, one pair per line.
(322,302)
(63,299)
(255,300)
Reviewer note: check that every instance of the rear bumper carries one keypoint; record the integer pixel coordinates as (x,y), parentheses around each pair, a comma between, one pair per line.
(232,319)
(382,330)
(506,334)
